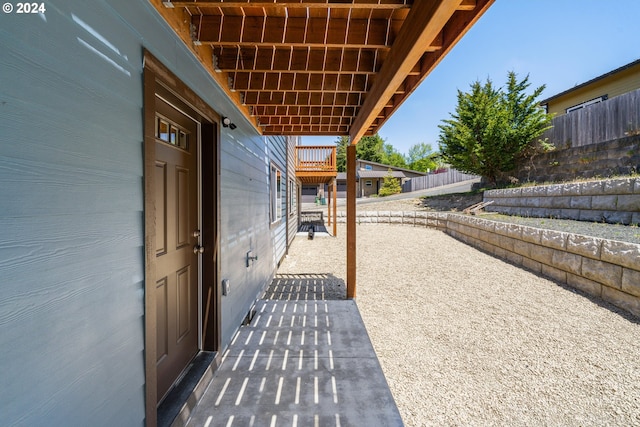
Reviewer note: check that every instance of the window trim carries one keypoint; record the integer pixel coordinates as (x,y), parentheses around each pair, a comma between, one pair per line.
(275,194)
(293,197)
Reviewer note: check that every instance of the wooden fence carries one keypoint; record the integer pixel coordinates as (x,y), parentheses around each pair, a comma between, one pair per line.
(451,176)
(614,118)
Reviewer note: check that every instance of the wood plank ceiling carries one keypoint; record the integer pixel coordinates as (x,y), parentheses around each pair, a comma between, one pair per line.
(320,67)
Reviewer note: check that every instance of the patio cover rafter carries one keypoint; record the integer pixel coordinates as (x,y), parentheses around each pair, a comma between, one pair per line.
(364,57)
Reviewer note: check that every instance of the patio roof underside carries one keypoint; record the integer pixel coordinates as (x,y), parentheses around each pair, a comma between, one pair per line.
(320,67)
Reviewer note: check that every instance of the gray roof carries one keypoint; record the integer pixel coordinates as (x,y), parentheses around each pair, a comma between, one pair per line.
(369,162)
(617,70)
(342,176)
(380,174)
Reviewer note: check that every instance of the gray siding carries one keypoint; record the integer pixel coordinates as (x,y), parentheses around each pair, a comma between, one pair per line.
(71,217)
(278,153)
(292,213)
(245,226)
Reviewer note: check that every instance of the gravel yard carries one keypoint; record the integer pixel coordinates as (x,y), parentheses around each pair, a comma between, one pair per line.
(467,339)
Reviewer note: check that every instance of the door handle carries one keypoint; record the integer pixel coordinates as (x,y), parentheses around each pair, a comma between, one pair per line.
(197,249)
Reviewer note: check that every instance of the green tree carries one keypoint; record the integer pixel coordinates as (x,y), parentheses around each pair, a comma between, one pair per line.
(370,148)
(390,185)
(493,130)
(421,157)
(392,157)
(341,153)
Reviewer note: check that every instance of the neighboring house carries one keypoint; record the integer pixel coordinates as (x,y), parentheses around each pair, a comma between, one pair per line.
(371,176)
(147,190)
(369,179)
(617,82)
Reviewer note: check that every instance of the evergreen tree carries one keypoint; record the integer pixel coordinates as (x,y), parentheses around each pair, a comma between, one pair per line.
(341,153)
(390,185)
(371,148)
(492,131)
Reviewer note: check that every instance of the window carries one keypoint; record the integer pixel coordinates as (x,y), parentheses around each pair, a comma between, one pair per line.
(171,134)
(275,185)
(293,197)
(587,103)
(368,183)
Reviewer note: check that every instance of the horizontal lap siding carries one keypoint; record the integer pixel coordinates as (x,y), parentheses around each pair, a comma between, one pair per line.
(71,217)
(291,177)
(71,311)
(244,207)
(278,154)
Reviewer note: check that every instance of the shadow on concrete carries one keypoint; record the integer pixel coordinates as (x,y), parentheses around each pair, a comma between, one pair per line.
(306,287)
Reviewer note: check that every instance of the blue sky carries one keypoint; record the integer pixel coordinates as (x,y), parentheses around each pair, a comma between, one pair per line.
(559,43)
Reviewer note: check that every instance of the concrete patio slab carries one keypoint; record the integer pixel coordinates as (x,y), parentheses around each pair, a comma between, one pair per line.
(299,363)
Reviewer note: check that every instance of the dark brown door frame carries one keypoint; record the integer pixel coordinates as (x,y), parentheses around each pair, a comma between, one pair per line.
(157,75)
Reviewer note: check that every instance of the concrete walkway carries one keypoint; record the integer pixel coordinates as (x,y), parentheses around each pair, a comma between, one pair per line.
(304,360)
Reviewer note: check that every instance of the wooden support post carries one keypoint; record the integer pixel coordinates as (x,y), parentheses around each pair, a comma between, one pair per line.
(328,204)
(351,221)
(335,208)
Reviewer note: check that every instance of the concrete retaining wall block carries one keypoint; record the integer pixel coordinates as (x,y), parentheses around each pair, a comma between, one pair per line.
(602,272)
(621,299)
(618,186)
(542,254)
(621,253)
(615,201)
(554,239)
(571,263)
(585,285)
(604,203)
(554,273)
(631,281)
(584,245)
(603,268)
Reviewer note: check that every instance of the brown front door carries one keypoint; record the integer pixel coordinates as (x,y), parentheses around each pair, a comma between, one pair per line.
(177,238)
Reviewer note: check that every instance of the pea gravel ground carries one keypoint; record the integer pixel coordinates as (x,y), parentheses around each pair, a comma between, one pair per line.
(465,339)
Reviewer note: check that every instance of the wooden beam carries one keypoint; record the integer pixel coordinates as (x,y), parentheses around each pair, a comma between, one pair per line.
(307,120)
(178,19)
(344,99)
(306,131)
(290,60)
(351,221)
(454,30)
(303,111)
(270,4)
(300,82)
(279,31)
(254,89)
(467,5)
(423,24)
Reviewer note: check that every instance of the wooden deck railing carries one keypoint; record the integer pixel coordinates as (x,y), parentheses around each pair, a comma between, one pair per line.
(318,159)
